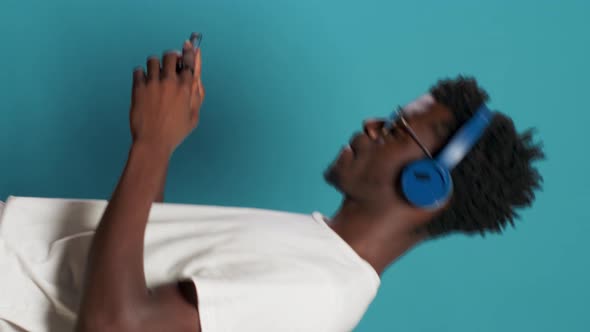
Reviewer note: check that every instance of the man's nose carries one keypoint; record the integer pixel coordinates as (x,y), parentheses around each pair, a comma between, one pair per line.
(373,127)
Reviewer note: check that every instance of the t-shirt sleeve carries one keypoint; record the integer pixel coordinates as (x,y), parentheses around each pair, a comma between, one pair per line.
(1,209)
(246,304)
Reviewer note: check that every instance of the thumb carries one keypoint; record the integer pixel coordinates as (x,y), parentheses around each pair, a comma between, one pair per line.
(196,84)
(197,73)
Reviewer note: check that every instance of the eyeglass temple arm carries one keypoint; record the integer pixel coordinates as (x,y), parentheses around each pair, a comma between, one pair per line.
(399,115)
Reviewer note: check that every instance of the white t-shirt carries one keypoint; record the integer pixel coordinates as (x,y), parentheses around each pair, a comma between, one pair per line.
(254,270)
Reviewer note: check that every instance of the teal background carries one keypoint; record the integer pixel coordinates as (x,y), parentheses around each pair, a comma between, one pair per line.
(288,82)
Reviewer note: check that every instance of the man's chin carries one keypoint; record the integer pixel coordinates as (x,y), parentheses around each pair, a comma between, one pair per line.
(332,177)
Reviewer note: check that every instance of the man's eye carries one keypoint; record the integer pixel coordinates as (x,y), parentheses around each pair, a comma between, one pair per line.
(390,131)
(398,131)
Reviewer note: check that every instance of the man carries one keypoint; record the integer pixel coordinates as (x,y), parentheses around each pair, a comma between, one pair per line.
(234,269)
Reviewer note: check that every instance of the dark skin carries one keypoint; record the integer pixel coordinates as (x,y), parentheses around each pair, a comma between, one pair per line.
(373,219)
(165,109)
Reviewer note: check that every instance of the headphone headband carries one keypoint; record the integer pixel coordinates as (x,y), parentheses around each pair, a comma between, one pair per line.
(465,138)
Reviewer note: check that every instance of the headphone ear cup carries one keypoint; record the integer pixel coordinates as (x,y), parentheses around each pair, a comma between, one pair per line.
(426,184)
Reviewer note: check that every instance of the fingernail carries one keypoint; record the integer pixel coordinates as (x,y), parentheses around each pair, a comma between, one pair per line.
(177,52)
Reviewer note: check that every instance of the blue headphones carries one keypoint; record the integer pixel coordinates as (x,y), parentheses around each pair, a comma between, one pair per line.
(427,183)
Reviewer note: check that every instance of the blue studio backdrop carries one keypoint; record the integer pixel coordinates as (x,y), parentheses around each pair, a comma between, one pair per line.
(288,82)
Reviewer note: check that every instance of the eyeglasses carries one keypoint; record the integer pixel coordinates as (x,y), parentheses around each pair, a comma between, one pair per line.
(398,119)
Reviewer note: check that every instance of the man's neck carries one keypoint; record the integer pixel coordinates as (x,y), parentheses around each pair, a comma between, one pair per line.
(379,238)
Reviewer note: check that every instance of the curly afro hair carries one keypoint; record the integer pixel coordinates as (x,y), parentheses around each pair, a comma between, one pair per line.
(496,177)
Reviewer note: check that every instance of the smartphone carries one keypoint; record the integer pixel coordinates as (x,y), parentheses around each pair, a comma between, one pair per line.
(195,39)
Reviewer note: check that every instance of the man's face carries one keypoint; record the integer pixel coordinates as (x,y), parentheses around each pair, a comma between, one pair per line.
(369,170)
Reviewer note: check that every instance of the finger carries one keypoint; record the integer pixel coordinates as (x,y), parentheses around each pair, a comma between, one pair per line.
(153,67)
(197,96)
(196,102)
(194,119)
(201,89)
(197,74)
(197,99)
(198,63)
(169,65)
(186,76)
(138,77)
(188,56)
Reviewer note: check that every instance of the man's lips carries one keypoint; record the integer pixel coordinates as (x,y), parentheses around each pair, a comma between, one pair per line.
(359,143)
